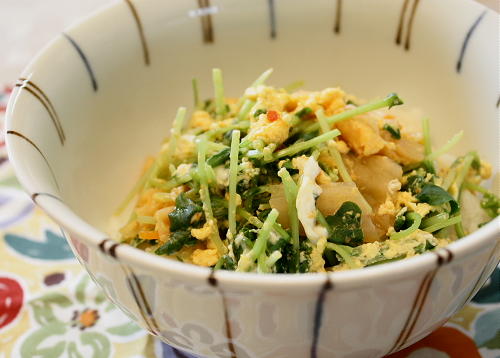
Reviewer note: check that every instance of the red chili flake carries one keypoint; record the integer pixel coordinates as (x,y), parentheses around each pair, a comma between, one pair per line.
(272,116)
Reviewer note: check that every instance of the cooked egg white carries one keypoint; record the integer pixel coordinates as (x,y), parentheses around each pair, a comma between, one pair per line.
(306,201)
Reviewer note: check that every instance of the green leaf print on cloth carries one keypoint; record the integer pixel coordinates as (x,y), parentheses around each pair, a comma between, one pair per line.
(72,325)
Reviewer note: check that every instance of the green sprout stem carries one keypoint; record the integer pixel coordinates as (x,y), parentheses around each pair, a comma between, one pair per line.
(291,87)
(434,219)
(172,183)
(271,260)
(139,185)
(261,263)
(258,82)
(260,244)
(214,132)
(220,106)
(196,94)
(233,180)
(427,136)
(214,146)
(205,195)
(176,133)
(416,220)
(320,115)
(475,187)
(445,148)
(160,161)
(245,109)
(322,220)
(344,252)
(459,181)
(262,78)
(427,144)
(390,101)
(301,146)
(467,161)
(291,190)
(454,220)
(257,223)
(219,263)
(449,178)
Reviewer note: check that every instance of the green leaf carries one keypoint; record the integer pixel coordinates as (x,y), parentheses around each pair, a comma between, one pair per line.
(394,132)
(305,256)
(225,263)
(185,208)
(330,257)
(346,225)
(436,196)
(476,161)
(98,342)
(414,184)
(304,112)
(30,347)
(399,222)
(125,329)
(42,307)
(289,256)
(411,224)
(219,158)
(491,204)
(219,208)
(379,261)
(259,112)
(178,239)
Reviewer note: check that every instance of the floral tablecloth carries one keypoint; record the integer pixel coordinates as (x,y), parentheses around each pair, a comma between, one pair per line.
(50,308)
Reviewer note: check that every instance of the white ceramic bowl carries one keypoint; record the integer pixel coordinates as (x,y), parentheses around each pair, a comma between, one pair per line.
(101,96)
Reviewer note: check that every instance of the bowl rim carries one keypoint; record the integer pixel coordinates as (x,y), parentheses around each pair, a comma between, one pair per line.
(85,232)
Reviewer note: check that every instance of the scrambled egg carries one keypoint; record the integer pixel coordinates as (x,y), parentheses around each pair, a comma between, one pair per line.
(203,232)
(268,97)
(269,132)
(317,261)
(186,147)
(246,263)
(377,251)
(247,170)
(331,99)
(404,198)
(222,176)
(208,257)
(201,120)
(163,223)
(183,169)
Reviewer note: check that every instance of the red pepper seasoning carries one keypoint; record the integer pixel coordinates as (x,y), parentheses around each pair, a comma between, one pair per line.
(272,116)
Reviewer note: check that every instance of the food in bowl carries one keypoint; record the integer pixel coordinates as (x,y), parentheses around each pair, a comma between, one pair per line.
(287,181)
